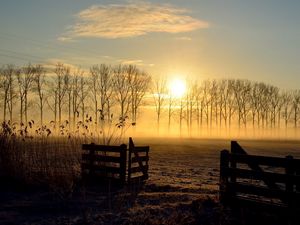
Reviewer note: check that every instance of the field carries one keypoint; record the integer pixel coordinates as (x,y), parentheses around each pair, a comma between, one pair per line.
(182,189)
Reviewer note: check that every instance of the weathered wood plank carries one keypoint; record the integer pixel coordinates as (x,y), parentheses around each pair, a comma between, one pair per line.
(262,160)
(100,168)
(141,149)
(139,169)
(261,175)
(237,149)
(143,158)
(104,148)
(245,188)
(138,179)
(101,158)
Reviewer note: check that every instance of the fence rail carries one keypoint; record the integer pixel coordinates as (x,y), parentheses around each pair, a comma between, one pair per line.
(243,177)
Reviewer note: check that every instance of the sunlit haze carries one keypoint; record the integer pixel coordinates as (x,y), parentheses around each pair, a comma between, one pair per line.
(177,88)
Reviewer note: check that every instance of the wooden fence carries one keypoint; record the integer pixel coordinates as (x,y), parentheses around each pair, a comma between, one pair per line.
(259,179)
(102,162)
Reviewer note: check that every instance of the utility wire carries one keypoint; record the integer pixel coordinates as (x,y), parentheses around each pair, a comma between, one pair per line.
(48,45)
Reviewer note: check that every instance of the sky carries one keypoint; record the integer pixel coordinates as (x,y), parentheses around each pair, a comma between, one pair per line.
(257,40)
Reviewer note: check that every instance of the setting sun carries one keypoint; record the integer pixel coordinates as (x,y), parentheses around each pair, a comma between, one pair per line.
(177,88)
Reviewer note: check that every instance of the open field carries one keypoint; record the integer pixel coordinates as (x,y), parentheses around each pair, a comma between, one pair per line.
(182,189)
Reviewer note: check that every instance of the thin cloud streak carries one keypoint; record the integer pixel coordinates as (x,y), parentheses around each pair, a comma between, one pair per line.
(132,19)
(184,38)
(137,62)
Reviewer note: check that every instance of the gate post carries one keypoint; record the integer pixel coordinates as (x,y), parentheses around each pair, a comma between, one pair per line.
(92,161)
(123,150)
(130,149)
(224,165)
(289,186)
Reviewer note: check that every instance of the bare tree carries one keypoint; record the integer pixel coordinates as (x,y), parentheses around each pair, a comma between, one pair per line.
(40,87)
(159,90)
(171,106)
(228,101)
(83,93)
(106,91)
(75,92)
(255,102)
(213,102)
(191,100)
(274,104)
(206,99)
(94,87)
(286,102)
(25,77)
(68,82)
(140,82)
(61,79)
(199,105)
(102,88)
(296,106)
(122,88)
(7,80)
(241,90)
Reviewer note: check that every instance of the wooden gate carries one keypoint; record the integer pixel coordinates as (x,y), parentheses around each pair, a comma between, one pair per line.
(102,162)
(138,157)
(272,181)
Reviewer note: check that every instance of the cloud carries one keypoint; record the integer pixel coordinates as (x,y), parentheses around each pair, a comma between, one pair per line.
(184,38)
(64,39)
(137,62)
(132,19)
(51,63)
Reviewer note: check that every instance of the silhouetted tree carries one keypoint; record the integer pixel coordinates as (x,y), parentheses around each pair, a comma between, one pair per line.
(77,74)
(121,84)
(286,104)
(40,87)
(159,90)
(25,78)
(296,106)
(7,74)
(139,84)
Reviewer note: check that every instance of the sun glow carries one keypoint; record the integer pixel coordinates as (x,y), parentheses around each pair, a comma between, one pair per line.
(177,88)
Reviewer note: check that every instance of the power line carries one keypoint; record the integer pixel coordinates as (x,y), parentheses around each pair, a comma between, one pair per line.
(14,52)
(16,56)
(47,45)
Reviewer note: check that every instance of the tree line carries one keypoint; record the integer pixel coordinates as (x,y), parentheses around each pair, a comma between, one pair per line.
(228,102)
(102,95)
(106,94)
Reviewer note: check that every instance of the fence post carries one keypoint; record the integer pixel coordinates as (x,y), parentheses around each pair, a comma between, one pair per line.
(147,164)
(234,150)
(92,160)
(289,186)
(123,149)
(297,172)
(224,165)
(129,160)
